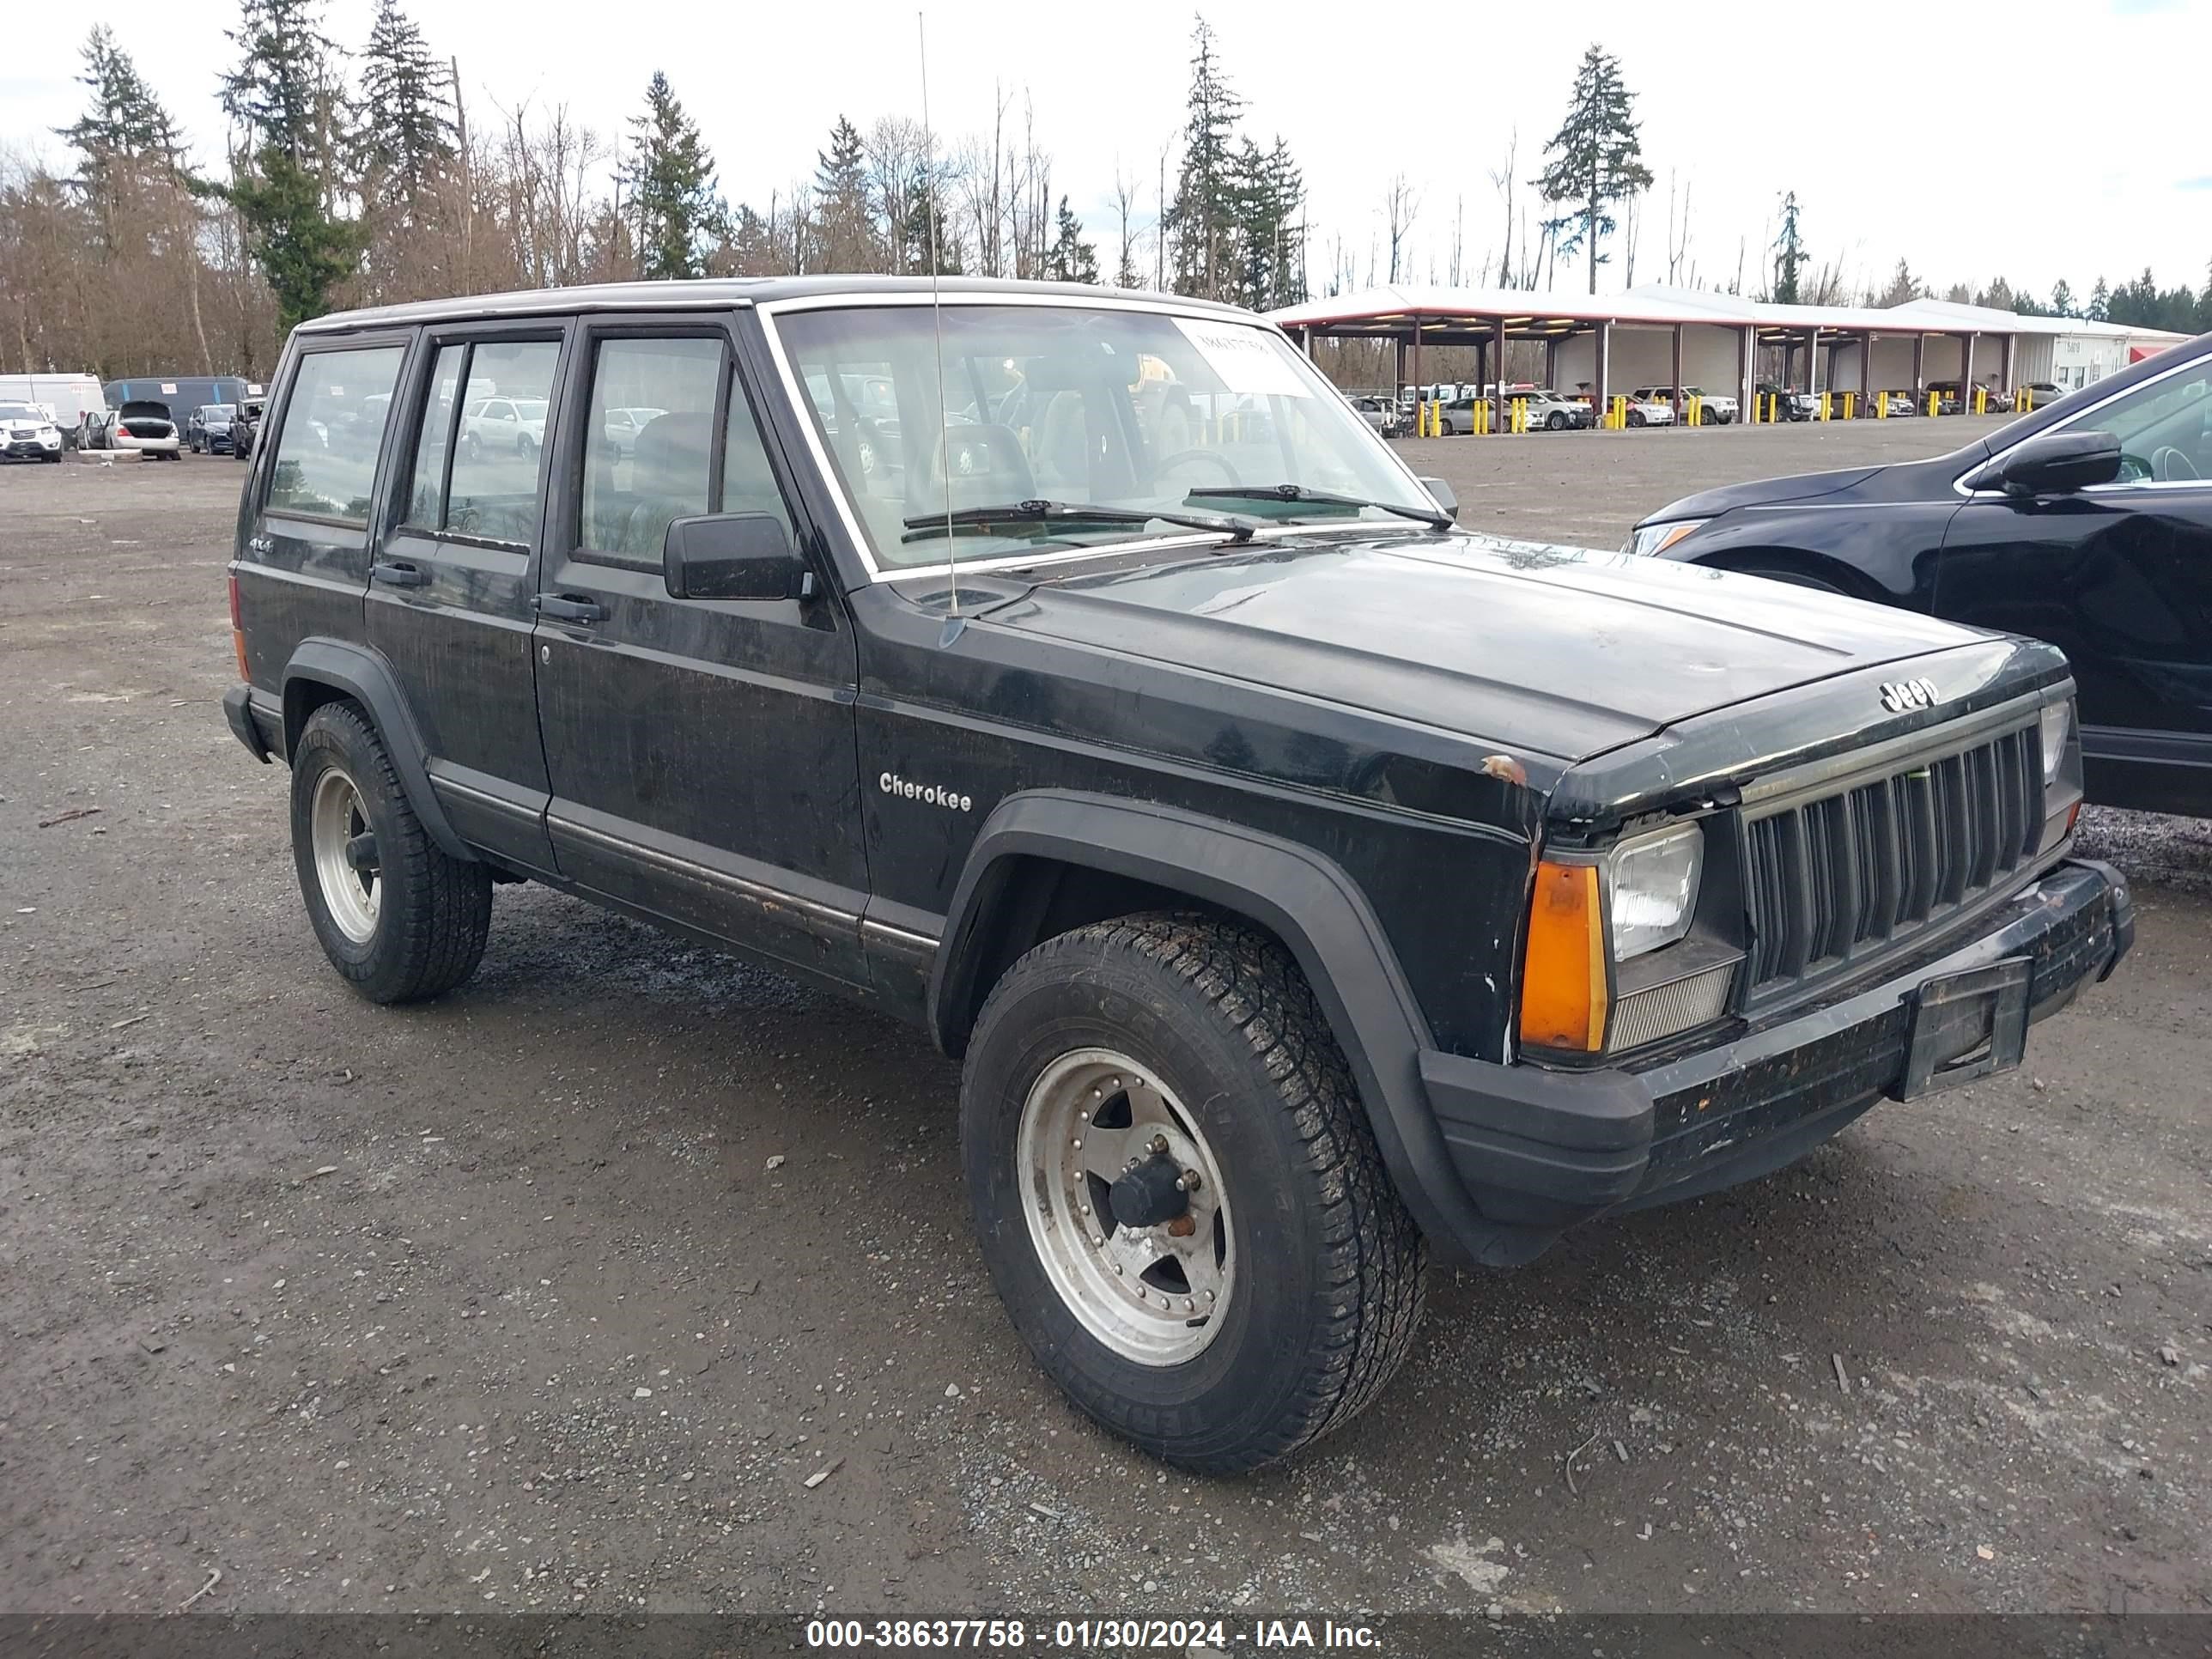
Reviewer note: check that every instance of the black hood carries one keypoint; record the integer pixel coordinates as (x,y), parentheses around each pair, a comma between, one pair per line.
(1556,649)
(1763,492)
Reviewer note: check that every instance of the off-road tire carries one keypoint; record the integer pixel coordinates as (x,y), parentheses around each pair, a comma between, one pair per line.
(1220,1013)
(433,914)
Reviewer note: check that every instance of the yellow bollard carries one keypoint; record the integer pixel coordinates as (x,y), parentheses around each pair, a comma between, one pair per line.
(1697,410)
(1981,400)
(1934,405)
(2024,401)
(1520,414)
(1881,406)
(1824,405)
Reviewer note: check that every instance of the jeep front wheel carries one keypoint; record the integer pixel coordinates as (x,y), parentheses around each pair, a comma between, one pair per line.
(1176,1194)
(399,917)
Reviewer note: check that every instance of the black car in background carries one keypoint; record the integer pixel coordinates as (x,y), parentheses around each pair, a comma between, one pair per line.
(2087,523)
(207,431)
(243,425)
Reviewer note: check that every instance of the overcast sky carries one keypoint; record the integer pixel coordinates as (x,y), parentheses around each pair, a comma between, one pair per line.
(2085,148)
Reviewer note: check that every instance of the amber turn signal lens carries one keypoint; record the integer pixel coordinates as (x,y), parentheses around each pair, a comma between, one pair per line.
(1563,996)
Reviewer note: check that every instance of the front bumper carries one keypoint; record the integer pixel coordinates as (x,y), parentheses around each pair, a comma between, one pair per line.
(18,448)
(1539,1151)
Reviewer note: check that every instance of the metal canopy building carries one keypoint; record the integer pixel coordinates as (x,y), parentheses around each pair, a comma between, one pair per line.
(1658,336)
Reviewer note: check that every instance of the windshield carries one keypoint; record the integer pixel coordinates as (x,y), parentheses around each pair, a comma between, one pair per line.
(1121,409)
(19,412)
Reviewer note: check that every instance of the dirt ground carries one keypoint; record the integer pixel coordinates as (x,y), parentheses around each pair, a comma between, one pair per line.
(555,1294)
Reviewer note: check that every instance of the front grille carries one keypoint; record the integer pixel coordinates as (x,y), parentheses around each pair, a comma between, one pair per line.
(1843,876)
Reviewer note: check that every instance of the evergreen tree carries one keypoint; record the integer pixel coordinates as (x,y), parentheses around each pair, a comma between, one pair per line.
(844,215)
(2062,299)
(280,92)
(1903,288)
(404,140)
(1071,259)
(1593,160)
(2100,302)
(124,131)
(670,175)
(283,98)
(124,121)
(1200,222)
(1789,253)
(1271,226)
(920,235)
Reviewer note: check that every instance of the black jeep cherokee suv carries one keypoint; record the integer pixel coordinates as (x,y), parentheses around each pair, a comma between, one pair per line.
(1306,884)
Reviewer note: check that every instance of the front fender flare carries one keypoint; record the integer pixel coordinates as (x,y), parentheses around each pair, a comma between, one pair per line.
(368,677)
(1304,899)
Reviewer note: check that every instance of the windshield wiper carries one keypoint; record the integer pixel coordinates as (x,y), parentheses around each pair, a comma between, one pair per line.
(1434,516)
(923,525)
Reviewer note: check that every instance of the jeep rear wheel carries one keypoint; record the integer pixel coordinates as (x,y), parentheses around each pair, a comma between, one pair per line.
(399,917)
(1178,1196)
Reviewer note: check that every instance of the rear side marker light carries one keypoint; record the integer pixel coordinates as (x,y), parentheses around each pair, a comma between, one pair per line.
(237,630)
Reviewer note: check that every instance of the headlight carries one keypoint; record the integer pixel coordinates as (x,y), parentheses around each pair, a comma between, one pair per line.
(2058,723)
(1647,540)
(1652,885)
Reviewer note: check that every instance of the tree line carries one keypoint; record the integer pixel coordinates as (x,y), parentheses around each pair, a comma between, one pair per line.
(364,176)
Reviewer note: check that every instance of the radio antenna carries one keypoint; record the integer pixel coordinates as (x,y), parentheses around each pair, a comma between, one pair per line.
(953,622)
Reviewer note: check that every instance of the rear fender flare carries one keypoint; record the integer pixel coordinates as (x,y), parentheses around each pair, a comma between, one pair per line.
(366,676)
(1303,899)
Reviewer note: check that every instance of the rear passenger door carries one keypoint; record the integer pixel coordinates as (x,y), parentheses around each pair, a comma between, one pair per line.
(701,752)
(310,495)
(450,589)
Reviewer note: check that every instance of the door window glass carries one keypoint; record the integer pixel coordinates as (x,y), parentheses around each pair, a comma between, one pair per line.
(2164,428)
(494,493)
(650,433)
(748,485)
(426,502)
(325,462)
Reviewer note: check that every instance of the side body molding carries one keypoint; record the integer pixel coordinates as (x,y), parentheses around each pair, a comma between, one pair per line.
(366,678)
(1304,899)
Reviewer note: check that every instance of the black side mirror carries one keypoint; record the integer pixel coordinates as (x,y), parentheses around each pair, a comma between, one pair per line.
(2057,464)
(734,556)
(1442,494)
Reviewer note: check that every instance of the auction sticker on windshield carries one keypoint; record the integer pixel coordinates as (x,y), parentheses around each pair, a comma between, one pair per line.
(1248,360)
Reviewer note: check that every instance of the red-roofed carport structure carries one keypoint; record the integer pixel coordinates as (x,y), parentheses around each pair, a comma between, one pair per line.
(1659,335)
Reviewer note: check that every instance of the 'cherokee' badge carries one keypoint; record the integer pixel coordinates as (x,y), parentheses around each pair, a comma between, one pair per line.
(1902,696)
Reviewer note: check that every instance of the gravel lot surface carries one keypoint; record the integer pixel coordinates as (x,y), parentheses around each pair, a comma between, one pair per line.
(556,1293)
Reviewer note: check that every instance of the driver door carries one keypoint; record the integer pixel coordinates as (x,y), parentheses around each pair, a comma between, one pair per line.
(2120,577)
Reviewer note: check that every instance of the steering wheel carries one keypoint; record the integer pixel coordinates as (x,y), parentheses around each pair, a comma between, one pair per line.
(1211,457)
(2168,464)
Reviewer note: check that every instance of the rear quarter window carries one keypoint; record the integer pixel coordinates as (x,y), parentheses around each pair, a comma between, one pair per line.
(333,431)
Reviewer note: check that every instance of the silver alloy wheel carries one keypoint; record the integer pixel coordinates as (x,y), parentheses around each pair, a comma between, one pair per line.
(353,887)
(1156,1295)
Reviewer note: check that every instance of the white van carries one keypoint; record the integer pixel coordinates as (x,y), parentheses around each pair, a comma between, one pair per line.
(66,397)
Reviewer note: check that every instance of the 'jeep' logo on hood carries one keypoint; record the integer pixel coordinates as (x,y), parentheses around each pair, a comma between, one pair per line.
(1902,696)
